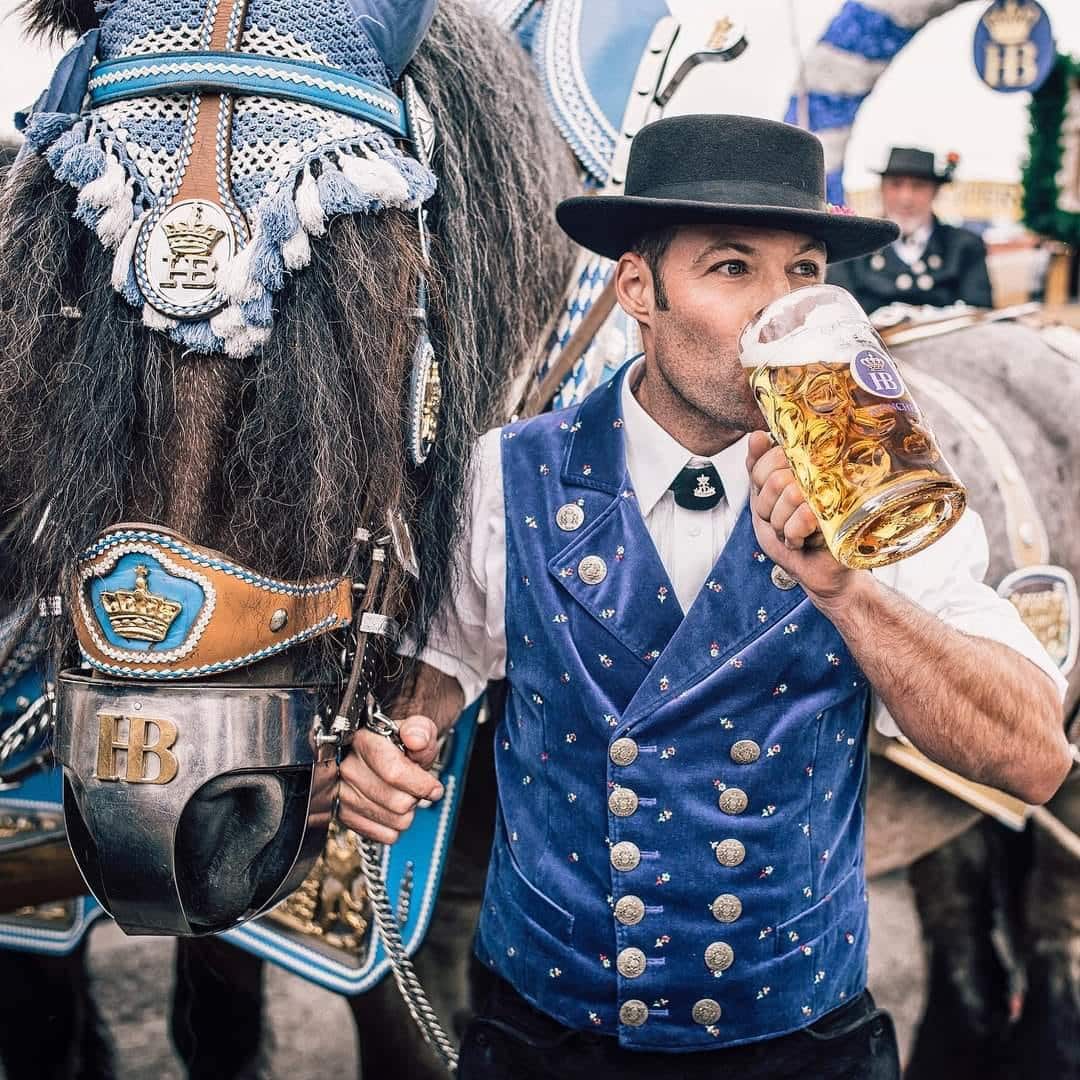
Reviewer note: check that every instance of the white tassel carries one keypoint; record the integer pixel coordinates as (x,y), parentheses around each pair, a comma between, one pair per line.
(308,205)
(114,224)
(108,189)
(244,344)
(376,178)
(153,318)
(235,277)
(125,253)
(296,251)
(228,322)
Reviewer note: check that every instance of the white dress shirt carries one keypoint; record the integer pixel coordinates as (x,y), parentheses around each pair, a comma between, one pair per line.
(469,641)
(910,248)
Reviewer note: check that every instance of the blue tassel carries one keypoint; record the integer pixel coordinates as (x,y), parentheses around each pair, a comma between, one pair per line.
(81,165)
(89,215)
(340,196)
(43,129)
(259,312)
(267,267)
(131,292)
(278,220)
(68,141)
(197,336)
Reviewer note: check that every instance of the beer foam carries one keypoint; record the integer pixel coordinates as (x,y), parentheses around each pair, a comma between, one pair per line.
(821,324)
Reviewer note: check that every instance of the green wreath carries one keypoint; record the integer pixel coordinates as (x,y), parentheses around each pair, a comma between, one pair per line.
(1042,212)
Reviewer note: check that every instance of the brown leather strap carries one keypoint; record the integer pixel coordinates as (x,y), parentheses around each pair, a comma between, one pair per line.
(542,393)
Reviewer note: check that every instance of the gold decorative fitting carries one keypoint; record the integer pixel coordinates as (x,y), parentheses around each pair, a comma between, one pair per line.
(730,852)
(623,751)
(592,570)
(633,1013)
(278,620)
(719,956)
(726,908)
(629,910)
(622,802)
(745,752)
(138,614)
(733,800)
(630,963)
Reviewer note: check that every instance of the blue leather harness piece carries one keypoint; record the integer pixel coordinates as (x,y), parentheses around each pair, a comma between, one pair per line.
(248,73)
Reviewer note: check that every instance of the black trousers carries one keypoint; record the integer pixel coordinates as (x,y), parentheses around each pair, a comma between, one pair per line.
(510,1040)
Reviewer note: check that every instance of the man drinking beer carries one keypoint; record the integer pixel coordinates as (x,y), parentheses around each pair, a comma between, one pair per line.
(678,859)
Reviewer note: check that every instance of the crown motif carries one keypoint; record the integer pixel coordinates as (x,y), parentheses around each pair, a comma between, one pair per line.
(191,238)
(704,489)
(874,363)
(1011,23)
(137,614)
(720,33)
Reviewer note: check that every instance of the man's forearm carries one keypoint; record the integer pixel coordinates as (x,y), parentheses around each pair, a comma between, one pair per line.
(432,694)
(970,704)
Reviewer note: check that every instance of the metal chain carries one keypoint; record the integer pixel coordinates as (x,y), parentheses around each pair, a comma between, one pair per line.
(36,720)
(404,974)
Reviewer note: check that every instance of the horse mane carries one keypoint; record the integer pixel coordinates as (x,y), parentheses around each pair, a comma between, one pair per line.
(276,459)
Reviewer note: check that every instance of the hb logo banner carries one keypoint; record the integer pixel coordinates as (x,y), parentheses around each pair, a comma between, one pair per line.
(1014,46)
(135,749)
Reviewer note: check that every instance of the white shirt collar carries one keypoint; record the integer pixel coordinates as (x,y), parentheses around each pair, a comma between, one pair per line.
(654,458)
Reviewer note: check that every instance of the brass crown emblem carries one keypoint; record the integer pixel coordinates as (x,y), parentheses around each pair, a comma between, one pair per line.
(1012,23)
(191,238)
(137,614)
(874,363)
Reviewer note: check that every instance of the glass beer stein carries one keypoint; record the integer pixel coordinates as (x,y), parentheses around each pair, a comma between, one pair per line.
(860,449)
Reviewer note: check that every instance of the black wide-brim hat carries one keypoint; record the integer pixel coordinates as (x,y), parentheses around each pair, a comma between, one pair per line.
(737,170)
(920,164)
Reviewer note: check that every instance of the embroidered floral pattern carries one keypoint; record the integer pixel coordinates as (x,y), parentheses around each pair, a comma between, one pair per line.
(762,614)
(607,613)
(612,719)
(765,871)
(620,553)
(586,470)
(554,972)
(537,699)
(564,678)
(849,937)
(526,780)
(667,752)
(791,628)
(726,724)
(662,940)
(833,659)
(560,618)
(571,736)
(545,470)
(665,683)
(714,649)
(664,815)
(763,992)
(529,643)
(605,961)
(571,797)
(773,750)
(663,879)
(651,655)
(736,662)
(662,593)
(781,689)
(574,857)
(567,572)
(617,423)
(714,586)
(531,521)
(759,557)
(605,660)
(764,933)
(768,811)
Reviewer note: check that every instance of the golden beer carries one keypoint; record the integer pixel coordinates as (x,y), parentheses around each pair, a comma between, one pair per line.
(860,449)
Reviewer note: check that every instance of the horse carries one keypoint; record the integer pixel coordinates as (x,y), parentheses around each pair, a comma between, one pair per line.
(266,457)
(999,908)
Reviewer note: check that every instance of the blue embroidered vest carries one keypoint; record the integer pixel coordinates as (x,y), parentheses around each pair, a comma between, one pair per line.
(678,858)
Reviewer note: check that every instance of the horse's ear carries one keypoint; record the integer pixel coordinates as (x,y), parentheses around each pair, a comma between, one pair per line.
(396,27)
(52,19)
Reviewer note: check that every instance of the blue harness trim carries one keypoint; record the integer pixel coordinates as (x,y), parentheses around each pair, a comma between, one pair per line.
(248,73)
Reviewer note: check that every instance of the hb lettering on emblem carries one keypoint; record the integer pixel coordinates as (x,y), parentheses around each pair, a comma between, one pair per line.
(882,380)
(136,748)
(1012,65)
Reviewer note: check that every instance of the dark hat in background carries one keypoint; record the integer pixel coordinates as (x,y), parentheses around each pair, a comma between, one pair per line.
(919,164)
(714,168)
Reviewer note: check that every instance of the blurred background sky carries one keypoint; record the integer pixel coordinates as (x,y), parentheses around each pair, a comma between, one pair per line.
(930,96)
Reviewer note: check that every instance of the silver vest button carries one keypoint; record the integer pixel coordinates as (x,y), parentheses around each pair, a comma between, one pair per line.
(705,1012)
(625,856)
(623,751)
(592,569)
(727,907)
(719,956)
(633,1013)
(782,579)
(730,852)
(630,963)
(570,517)
(733,800)
(629,910)
(622,802)
(745,752)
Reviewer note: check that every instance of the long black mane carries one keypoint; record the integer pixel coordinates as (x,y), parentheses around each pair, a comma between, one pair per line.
(276,459)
